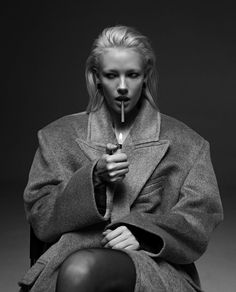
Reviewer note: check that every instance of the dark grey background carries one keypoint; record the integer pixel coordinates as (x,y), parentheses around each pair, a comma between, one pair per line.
(45,45)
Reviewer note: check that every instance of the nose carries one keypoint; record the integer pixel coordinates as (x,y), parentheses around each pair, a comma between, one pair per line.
(122,91)
(122,87)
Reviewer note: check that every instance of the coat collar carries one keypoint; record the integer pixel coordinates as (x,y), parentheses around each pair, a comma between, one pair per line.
(142,146)
(146,126)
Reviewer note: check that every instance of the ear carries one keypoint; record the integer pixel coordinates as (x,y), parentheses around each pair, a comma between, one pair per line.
(95,74)
(97,77)
(145,77)
(146,73)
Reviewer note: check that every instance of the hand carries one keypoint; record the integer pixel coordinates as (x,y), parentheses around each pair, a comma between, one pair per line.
(112,168)
(120,238)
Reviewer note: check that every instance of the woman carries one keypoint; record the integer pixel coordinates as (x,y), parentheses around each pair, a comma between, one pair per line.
(130,219)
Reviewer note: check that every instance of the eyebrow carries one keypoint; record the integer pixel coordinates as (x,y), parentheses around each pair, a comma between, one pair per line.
(128,71)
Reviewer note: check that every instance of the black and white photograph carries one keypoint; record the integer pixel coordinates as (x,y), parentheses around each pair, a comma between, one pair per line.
(118,146)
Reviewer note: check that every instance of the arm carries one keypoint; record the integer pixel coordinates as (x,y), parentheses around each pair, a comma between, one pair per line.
(181,234)
(58,200)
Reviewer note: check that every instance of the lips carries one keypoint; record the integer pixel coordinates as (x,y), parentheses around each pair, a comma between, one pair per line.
(122,98)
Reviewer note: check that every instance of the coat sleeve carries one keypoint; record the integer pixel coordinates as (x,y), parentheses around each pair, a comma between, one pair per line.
(180,235)
(58,200)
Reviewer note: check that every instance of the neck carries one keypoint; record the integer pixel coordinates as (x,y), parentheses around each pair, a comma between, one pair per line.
(129,119)
(122,129)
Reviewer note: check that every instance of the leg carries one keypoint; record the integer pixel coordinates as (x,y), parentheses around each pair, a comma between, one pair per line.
(99,270)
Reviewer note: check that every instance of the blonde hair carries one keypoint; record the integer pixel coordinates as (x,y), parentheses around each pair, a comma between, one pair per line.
(120,37)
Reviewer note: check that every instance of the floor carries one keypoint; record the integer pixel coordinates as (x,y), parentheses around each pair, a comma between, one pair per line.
(217,267)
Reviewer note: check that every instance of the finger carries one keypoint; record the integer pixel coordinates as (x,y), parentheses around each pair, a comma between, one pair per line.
(117,174)
(110,148)
(106,232)
(120,165)
(122,237)
(116,232)
(116,157)
(112,178)
(126,244)
(116,179)
(113,166)
(133,247)
(129,244)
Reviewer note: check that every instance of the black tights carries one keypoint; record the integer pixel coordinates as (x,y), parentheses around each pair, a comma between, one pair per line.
(98,269)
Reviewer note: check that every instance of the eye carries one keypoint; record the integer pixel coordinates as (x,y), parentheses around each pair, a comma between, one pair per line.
(134,75)
(110,75)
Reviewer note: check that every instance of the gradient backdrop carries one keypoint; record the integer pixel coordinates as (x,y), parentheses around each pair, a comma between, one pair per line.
(45,45)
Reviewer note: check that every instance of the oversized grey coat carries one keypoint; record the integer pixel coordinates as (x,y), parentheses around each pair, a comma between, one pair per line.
(170,197)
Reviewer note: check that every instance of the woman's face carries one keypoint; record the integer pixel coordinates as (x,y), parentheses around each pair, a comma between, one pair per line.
(121,73)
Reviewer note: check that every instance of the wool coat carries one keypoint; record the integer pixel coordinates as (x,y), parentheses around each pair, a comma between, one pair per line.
(169,198)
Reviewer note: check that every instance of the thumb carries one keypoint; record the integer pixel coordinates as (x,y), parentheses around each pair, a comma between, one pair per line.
(111,148)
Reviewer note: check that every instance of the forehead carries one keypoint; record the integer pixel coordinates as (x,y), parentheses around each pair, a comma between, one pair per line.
(121,59)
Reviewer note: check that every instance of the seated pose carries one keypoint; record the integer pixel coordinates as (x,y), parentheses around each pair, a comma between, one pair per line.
(125,197)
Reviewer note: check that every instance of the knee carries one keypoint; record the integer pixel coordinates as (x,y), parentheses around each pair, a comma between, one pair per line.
(76,271)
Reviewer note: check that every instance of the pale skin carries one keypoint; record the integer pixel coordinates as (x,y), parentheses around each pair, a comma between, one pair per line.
(121,72)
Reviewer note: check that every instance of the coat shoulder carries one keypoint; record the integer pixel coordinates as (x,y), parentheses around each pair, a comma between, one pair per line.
(73,125)
(179,133)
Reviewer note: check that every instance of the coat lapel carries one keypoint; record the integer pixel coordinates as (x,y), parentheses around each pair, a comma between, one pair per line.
(142,146)
(99,133)
(143,159)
